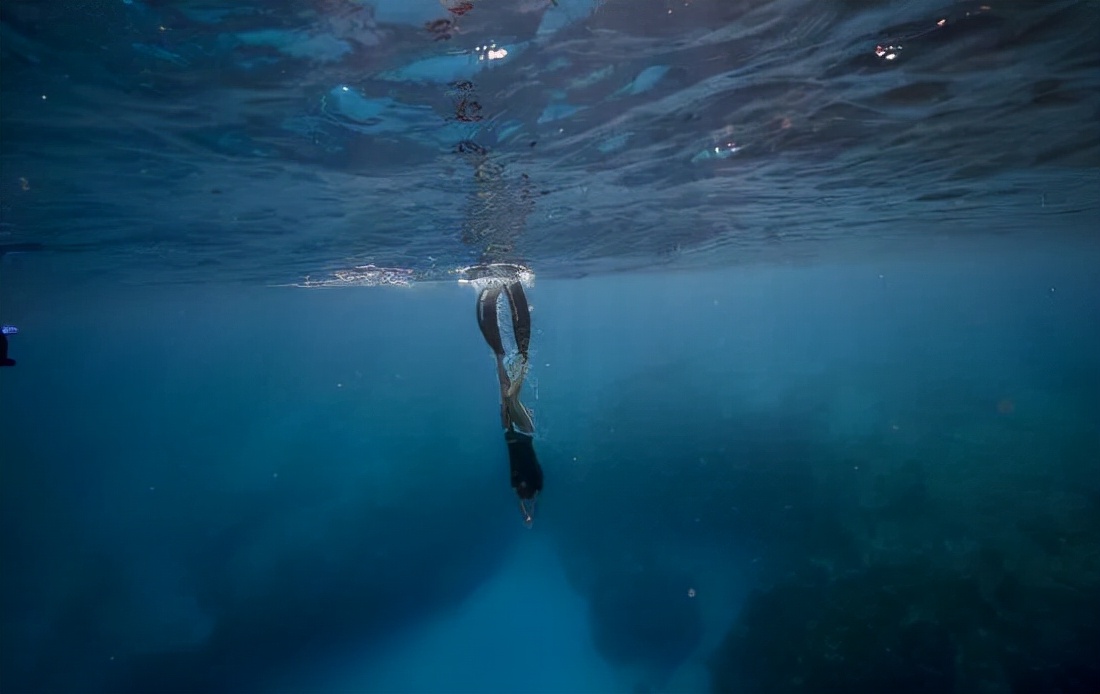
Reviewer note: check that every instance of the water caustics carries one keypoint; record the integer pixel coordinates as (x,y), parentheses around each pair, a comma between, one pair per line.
(274,141)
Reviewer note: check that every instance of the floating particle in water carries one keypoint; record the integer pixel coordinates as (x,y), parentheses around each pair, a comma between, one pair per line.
(691,592)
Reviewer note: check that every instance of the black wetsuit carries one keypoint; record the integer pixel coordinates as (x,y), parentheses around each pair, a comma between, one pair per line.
(526,471)
(4,360)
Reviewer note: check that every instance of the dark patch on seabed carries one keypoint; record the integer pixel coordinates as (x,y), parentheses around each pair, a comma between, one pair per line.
(887,562)
(913,628)
(961,584)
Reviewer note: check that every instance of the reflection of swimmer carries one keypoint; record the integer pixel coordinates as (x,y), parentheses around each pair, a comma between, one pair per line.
(4,360)
(516,420)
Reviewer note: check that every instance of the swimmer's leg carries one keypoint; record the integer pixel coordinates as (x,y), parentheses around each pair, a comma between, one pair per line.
(519,415)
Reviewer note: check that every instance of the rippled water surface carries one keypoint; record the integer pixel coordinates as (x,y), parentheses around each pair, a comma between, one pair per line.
(287,142)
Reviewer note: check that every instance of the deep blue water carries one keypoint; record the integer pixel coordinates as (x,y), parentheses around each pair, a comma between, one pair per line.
(815,365)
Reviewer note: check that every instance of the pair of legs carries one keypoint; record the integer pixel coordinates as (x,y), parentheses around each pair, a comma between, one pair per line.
(519,429)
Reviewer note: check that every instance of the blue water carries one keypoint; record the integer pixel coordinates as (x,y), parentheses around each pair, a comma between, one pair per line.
(815,365)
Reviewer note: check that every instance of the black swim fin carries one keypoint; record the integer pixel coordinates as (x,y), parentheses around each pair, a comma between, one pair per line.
(521,317)
(487,319)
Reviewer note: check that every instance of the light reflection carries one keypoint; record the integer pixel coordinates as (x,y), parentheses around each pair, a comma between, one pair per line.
(887,52)
(495,275)
(892,51)
(490,52)
(363,276)
(722,151)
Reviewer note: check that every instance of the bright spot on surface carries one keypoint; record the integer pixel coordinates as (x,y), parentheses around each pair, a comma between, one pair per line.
(344,88)
(491,52)
(43,97)
(887,52)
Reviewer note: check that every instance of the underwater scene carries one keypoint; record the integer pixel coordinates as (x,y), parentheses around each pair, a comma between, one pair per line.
(549,346)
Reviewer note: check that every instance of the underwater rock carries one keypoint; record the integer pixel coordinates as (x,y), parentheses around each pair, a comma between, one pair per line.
(911,628)
(297,587)
(879,631)
(668,495)
(642,616)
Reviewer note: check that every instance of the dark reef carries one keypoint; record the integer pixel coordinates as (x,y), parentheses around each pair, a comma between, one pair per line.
(941,543)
